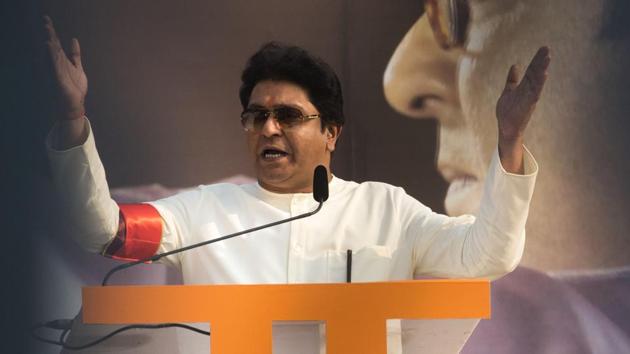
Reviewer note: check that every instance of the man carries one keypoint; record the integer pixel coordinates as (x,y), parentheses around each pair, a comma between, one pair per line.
(293,116)
(576,220)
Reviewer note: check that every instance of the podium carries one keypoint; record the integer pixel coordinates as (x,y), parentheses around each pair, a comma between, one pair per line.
(241,316)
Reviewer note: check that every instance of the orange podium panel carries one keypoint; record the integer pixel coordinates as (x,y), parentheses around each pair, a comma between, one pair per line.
(241,315)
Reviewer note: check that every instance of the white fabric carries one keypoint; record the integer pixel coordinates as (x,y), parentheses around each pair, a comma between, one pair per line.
(392,236)
(80,182)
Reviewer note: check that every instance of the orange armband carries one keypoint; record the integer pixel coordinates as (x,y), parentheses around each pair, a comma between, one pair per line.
(139,234)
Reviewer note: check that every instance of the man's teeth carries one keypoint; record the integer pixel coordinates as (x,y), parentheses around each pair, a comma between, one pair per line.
(273,154)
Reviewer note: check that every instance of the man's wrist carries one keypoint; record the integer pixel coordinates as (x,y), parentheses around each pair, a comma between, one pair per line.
(73,114)
(70,133)
(511,154)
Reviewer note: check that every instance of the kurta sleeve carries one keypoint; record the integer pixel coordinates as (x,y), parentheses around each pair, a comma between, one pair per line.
(179,217)
(92,217)
(82,193)
(489,244)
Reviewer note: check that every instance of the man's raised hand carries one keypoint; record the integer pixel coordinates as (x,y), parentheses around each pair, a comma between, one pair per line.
(519,98)
(68,72)
(515,108)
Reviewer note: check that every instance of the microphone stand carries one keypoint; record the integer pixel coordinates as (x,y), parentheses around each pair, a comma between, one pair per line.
(203,243)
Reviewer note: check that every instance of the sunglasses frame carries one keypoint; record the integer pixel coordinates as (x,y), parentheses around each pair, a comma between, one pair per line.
(273,113)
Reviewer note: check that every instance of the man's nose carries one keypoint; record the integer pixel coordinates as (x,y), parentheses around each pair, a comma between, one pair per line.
(271,126)
(421,75)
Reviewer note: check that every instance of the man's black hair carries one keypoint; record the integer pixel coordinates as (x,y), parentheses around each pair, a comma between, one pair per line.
(281,62)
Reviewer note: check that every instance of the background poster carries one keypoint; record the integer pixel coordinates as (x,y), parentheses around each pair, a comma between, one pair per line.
(163,81)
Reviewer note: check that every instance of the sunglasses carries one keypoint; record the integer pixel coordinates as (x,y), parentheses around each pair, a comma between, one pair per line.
(449,21)
(253,119)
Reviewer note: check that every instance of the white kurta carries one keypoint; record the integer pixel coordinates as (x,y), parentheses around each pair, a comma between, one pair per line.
(392,236)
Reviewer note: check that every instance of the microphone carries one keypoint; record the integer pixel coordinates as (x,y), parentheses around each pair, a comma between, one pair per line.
(320,184)
(320,194)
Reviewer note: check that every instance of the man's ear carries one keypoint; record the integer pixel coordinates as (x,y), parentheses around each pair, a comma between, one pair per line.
(332,135)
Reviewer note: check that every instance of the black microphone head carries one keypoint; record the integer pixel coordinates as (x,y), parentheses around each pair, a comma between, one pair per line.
(320,184)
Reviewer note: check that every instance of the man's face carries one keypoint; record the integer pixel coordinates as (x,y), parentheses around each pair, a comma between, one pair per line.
(285,158)
(570,133)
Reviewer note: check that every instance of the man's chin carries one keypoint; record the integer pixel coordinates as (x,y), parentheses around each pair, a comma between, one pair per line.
(273,177)
(463,198)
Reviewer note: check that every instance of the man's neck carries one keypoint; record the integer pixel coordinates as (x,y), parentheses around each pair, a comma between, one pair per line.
(290,189)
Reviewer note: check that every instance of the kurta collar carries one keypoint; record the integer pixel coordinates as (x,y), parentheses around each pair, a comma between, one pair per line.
(283,200)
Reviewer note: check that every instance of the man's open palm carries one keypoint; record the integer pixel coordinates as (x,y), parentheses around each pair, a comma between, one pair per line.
(518,100)
(71,80)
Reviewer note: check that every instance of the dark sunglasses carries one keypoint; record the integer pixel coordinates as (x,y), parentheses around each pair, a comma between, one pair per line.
(253,119)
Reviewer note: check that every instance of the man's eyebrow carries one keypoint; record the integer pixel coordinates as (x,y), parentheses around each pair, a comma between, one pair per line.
(258,106)
(294,105)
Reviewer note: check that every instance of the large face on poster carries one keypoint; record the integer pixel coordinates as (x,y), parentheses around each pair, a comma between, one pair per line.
(577,216)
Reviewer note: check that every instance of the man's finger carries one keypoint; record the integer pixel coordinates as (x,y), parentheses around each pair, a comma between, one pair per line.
(538,67)
(57,61)
(513,77)
(50,29)
(536,74)
(56,53)
(54,46)
(541,58)
(76,53)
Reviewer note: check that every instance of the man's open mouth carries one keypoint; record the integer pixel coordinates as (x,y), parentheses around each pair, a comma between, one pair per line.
(272,154)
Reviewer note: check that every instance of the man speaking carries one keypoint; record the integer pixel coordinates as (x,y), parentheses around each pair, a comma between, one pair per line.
(293,117)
